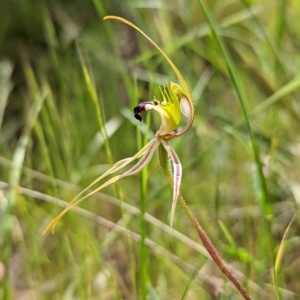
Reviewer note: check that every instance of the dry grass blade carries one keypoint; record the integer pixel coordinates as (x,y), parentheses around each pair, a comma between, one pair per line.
(279,257)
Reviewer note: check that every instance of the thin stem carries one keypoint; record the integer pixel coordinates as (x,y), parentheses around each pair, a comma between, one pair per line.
(143,248)
(207,243)
(166,169)
(143,230)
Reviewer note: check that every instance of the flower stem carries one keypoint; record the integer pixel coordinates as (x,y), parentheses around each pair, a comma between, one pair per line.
(166,169)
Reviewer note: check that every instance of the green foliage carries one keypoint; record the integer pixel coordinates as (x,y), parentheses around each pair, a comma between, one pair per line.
(67,79)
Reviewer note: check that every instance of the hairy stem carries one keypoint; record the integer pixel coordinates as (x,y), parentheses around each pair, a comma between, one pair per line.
(166,169)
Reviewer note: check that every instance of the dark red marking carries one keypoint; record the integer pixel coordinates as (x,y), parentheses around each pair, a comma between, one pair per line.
(142,107)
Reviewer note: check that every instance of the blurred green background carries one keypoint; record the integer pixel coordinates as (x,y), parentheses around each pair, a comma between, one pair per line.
(59,132)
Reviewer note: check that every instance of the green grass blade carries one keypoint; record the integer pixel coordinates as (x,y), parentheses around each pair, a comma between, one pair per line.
(263,197)
(18,157)
(6,69)
(95,102)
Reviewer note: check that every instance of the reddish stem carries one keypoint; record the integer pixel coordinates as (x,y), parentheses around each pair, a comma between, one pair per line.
(211,249)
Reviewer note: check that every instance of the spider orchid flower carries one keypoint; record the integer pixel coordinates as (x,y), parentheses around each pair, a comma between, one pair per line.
(176,99)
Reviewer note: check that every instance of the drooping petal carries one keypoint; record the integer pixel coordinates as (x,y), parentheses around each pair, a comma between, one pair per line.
(145,159)
(177,173)
(116,167)
(146,153)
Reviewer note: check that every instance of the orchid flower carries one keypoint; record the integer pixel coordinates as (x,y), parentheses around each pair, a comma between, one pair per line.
(176,99)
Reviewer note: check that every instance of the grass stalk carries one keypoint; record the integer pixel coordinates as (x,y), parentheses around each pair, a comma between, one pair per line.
(18,158)
(143,230)
(95,102)
(142,140)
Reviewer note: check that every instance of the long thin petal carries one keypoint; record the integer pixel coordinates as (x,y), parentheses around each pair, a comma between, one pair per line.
(116,167)
(145,159)
(186,92)
(177,173)
(146,153)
